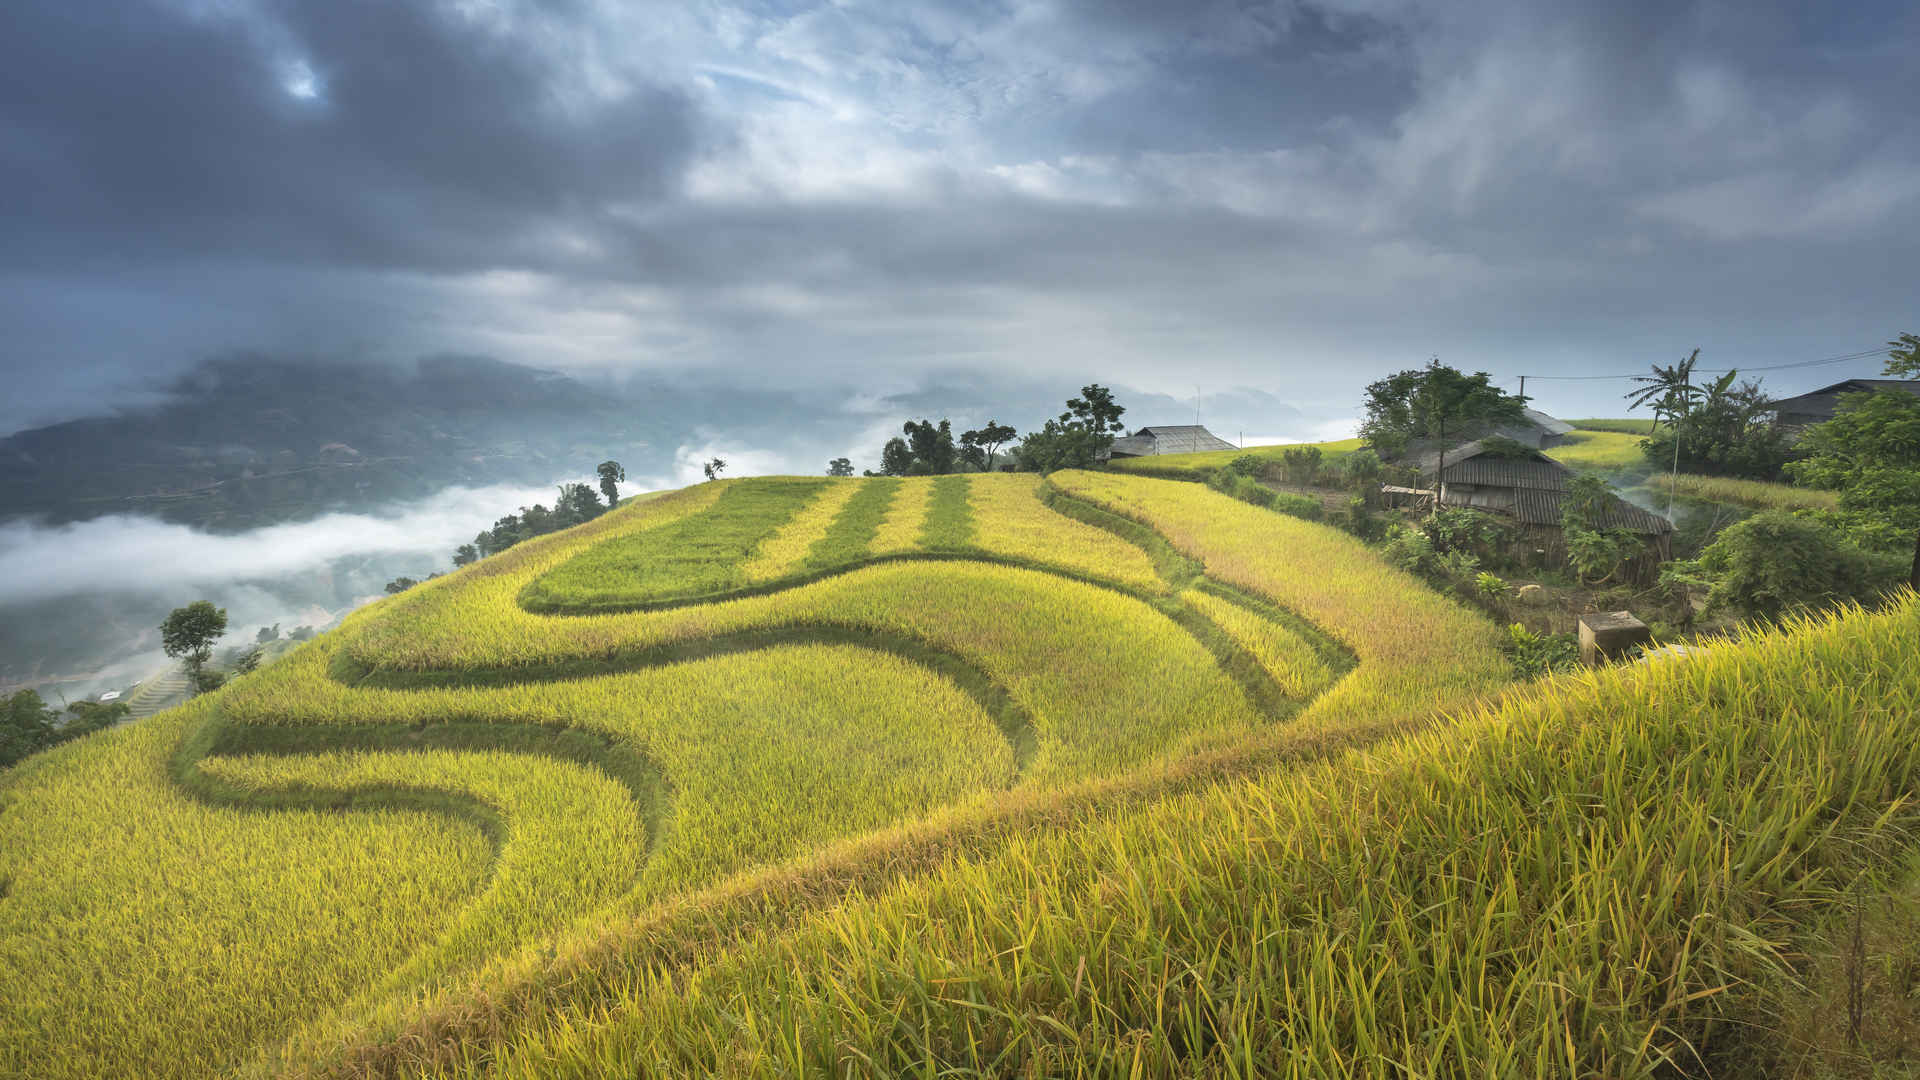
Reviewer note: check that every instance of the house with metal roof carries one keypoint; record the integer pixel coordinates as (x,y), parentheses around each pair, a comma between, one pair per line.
(1818,406)
(1168,439)
(1527,488)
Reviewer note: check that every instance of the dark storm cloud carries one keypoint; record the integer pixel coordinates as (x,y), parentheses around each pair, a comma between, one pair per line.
(386,135)
(1291,196)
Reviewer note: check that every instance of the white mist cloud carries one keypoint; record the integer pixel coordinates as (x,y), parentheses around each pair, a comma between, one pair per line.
(125,553)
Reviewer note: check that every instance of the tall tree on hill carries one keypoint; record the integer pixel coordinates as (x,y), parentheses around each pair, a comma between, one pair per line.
(1429,402)
(611,477)
(979,445)
(840,467)
(1078,438)
(713,468)
(1670,393)
(188,634)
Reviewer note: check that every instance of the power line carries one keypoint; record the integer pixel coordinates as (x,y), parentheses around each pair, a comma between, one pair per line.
(1861,355)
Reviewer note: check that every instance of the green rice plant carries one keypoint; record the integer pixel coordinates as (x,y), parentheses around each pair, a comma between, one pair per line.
(786,552)
(698,557)
(715,681)
(1639,426)
(1292,662)
(572,835)
(1588,879)
(949,521)
(145,933)
(1418,651)
(1600,451)
(850,537)
(1199,466)
(1759,494)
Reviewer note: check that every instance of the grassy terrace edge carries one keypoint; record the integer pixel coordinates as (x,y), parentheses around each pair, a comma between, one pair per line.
(1436,922)
(681,930)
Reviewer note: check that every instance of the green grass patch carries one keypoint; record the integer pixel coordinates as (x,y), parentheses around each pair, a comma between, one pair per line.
(1590,880)
(1600,451)
(685,560)
(1199,466)
(949,522)
(850,537)
(1630,426)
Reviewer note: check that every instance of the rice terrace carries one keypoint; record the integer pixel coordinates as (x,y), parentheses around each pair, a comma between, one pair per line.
(993,774)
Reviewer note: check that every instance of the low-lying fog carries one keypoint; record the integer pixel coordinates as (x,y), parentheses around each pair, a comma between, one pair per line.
(81,604)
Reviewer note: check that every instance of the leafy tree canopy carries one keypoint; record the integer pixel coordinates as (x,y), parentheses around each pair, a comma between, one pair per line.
(189,632)
(840,467)
(1870,453)
(1433,402)
(612,475)
(1078,438)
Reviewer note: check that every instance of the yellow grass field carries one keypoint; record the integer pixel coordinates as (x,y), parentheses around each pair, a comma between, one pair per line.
(654,792)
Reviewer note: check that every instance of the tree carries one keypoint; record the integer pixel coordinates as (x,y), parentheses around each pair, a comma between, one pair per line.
(1078,438)
(896,458)
(27,726)
(91,716)
(611,477)
(840,467)
(1721,428)
(1903,357)
(1670,393)
(1870,453)
(399,585)
(981,444)
(300,633)
(189,633)
(713,468)
(577,503)
(267,634)
(1431,402)
(466,555)
(1095,408)
(931,447)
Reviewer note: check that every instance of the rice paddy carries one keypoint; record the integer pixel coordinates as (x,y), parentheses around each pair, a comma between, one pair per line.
(656,791)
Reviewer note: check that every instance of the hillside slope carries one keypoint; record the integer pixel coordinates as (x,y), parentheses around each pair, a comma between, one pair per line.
(567,736)
(989,772)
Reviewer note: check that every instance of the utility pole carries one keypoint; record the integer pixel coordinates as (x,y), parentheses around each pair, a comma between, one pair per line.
(1523,389)
(1673,481)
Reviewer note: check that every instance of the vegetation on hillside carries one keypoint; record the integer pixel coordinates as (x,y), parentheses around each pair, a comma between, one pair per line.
(911,645)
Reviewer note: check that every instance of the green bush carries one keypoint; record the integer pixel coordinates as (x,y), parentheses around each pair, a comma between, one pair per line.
(1304,507)
(1362,467)
(1534,654)
(1302,465)
(1777,562)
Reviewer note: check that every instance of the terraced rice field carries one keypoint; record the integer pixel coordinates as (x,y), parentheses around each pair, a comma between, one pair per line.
(688,692)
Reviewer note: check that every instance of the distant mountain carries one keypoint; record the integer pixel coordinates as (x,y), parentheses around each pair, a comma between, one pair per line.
(248,441)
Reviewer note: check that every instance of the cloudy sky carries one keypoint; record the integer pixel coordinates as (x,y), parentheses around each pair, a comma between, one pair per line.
(1293,197)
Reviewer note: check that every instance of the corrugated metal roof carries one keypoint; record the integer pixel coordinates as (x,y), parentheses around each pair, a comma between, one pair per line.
(1548,424)
(1171,439)
(1537,507)
(1508,472)
(1825,401)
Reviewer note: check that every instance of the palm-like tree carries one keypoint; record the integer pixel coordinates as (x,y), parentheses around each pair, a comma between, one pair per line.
(1670,392)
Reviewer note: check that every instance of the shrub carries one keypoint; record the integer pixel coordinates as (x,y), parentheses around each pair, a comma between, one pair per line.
(1776,562)
(1361,467)
(1534,654)
(1302,465)
(1247,465)
(1457,528)
(1304,507)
